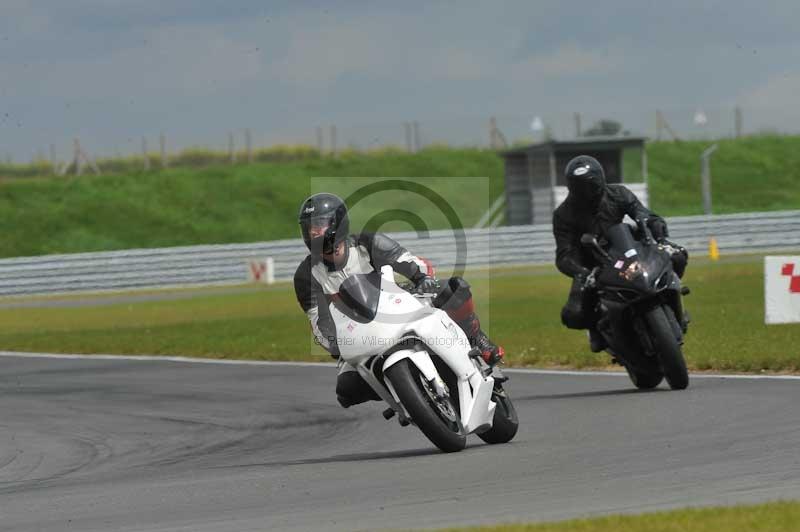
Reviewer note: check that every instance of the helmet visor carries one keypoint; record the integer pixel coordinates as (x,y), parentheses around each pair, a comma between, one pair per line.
(588,190)
(320,233)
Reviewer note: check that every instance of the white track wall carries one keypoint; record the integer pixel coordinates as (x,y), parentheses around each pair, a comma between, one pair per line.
(448,250)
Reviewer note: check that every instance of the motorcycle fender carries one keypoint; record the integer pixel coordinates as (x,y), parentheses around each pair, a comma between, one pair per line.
(386,393)
(454,351)
(477,407)
(421,359)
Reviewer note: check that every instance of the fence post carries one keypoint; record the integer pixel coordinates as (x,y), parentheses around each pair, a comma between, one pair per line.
(578,131)
(417,142)
(644,168)
(231,149)
(90,161)
(496,138)
(333,140)
(77,156)
(661,123)
(248,145)
(658,125)
(162,147)
(706,177)
(145,156)
(407,133)
(53,161)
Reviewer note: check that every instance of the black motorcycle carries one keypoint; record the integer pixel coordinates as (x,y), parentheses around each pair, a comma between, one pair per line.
(641,314)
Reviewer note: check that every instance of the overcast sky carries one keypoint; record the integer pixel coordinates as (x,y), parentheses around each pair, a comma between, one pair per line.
(111,71)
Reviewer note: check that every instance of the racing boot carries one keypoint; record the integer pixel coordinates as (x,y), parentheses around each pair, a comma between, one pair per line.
(492,353)
(456,300)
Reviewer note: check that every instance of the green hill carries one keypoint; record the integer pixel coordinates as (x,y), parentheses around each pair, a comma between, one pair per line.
(758,173)
(194,204)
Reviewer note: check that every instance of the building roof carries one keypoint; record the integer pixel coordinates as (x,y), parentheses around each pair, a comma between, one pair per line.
(581,143)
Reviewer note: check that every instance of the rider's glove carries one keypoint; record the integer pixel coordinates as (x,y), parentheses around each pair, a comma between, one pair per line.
(426,284)
(671,247)
(659,229)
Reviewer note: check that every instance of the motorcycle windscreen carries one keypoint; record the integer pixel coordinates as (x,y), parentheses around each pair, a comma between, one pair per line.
(359,296)
(620,238)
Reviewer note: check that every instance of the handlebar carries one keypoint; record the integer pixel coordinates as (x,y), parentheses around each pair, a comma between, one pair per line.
(411,289)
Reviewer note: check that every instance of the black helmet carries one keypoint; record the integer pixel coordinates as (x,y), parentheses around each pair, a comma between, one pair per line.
(586,180)
(327,211)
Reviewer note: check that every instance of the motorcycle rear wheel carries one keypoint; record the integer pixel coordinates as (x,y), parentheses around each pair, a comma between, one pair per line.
(432,419)
(667,348)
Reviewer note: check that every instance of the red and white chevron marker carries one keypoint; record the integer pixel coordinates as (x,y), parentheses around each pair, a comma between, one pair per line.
(261,271)
(782,289)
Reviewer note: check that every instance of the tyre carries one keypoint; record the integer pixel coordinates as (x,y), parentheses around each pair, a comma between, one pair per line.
(437,419)
(667,348)
(505,422)
(644,380)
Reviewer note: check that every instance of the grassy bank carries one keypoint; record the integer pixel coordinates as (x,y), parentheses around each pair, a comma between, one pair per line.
(226,204)
(200,200)
(519,307)
(772,517)
(756,173)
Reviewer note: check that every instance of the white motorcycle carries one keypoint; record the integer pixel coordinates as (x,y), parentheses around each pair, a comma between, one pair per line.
(420,362)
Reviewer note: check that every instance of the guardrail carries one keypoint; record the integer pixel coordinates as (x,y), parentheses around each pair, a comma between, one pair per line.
(229,263)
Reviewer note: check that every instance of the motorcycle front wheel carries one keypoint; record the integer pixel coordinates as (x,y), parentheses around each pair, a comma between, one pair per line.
(505,422)
(644,380)
(436,417)
(667,348)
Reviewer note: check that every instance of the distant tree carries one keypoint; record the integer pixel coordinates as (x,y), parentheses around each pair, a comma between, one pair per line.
(603,127)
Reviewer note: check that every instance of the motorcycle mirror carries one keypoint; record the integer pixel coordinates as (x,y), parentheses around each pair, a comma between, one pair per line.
(590,240)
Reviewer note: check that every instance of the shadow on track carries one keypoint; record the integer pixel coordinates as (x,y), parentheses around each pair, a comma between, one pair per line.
(603,393)
(355,457)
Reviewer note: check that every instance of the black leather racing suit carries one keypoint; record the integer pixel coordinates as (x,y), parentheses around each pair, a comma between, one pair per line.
(571,220)
(316,282)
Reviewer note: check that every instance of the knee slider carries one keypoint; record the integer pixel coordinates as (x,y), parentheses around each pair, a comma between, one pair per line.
(352,389)
(348,384)
(572,318)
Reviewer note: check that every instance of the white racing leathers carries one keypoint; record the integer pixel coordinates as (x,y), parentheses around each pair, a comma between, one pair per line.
(316,283)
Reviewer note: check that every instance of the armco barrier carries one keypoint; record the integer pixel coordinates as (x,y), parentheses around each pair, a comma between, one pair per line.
(228,264)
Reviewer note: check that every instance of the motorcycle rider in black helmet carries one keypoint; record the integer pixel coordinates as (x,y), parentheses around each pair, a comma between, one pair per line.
(335,254)
(592,206)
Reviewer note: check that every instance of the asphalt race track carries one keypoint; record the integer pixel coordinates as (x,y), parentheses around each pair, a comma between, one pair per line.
(106,445)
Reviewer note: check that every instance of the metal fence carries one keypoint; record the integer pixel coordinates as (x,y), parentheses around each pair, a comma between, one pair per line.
(449,250)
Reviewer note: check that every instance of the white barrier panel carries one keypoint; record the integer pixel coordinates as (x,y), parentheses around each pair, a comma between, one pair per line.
(782,289)
(448,250)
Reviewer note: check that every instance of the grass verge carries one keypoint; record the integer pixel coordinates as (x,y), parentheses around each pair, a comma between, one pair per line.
(520,308)
(770,517)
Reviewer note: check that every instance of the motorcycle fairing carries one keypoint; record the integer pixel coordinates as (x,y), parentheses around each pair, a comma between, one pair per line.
(398,316)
